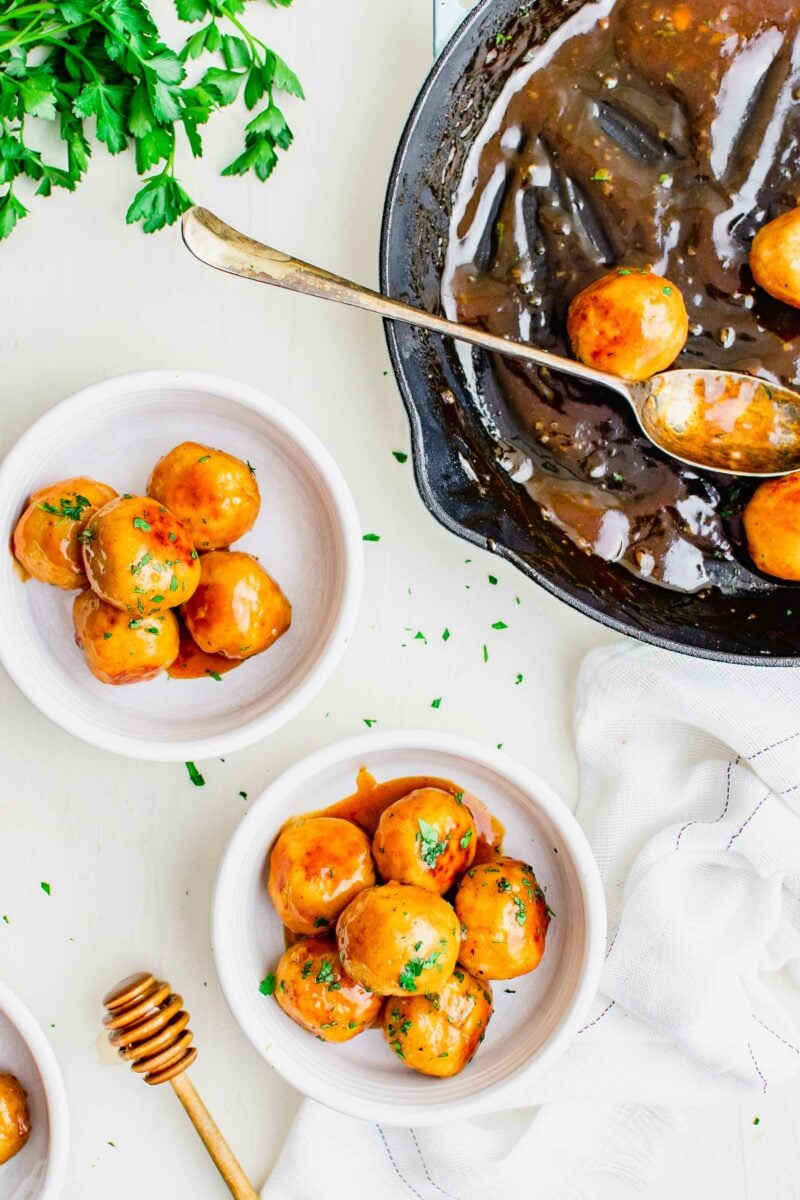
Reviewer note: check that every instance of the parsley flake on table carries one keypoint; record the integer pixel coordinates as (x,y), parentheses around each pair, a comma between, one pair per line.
(492,579)
(370,721)
(195,776)
(445,635)
(400,455)
(102,66)
(437,703)
(371,537)
(267,986)
(499,625)
(45,888)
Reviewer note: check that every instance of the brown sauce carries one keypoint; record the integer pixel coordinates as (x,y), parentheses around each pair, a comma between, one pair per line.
(648,134)
(370,799)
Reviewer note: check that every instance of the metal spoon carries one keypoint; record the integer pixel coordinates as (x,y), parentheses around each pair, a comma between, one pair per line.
(721,420)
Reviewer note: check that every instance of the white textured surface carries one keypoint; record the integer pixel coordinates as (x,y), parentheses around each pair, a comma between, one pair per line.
(130,849)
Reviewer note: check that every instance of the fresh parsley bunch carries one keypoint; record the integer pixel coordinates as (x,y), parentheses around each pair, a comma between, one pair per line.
(70,61)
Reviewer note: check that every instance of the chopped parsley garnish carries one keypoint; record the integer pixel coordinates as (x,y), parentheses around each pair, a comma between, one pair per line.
(522,911)
(371,537)
(325,973)
(243,795)
(308,967)
(602,175)
(503,885)
(215,675)
(667,290)
(173,583)
(205,458)
(370,721)
(430,845)
(398,1049)
(413,969)
(445,635)
(518,680)
(320,921)
(173,537)
(437,702)
(140,523)
(195,776)
(404,1028)
(466,839)
(492,579)
(400,455)
(485,653)
(45,888)
(267,986)
(459,976)
(86,535)
(135,623)
(458,797)
(136,568)
(328,1024)
(152,629)
(499,625)
(68,509)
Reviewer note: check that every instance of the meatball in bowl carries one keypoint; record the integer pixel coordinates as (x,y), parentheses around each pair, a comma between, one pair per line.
(184,569)
(350,919)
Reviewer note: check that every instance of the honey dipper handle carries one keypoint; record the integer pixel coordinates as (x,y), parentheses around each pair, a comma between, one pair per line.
(225,1160)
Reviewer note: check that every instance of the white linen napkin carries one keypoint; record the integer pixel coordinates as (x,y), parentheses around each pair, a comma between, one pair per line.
(690,797)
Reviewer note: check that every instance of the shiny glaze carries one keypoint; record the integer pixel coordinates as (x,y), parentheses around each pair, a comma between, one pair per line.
(439,1033)
(395,939)
(314,989)
(214,494)
(435,863)
(237,609)
(119,649)
(15,1121)
(316,867)
(194,663)
(47,544)
(139,557)
(643,134)
(504,919)
(371,799)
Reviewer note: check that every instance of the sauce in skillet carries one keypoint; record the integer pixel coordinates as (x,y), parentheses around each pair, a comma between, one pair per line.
(643,134)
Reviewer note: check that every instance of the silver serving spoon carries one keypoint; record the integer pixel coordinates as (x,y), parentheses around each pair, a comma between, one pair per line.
(721,420)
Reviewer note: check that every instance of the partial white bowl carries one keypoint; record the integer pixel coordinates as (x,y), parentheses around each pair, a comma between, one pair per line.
(37,1172)
(307,536)
(530,1027)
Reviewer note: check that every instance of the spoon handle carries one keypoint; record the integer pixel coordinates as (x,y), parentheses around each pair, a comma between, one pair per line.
(218,245)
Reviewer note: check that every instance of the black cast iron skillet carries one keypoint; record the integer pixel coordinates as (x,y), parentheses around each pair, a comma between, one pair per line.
(479,502)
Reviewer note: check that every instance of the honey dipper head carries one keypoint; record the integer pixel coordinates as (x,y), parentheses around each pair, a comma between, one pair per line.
(148,1028)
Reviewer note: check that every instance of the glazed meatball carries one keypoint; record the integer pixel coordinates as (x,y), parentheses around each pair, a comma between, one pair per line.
(631,323)
(772,527)
(313,988)
(237,609)
(317,866)
(427,838)
(194,663)
(397,939)
(775,258)
(504,919)
(438,1033)
(214,494)
(15,1122)
(47,538)
(139,557)
(120,648)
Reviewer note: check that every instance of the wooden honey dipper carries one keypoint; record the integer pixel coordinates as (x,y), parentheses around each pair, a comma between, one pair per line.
(148,1028)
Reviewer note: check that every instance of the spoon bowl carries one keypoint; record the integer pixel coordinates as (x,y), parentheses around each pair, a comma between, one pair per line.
(722,421)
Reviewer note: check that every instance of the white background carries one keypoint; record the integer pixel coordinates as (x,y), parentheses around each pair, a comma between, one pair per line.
(130,849)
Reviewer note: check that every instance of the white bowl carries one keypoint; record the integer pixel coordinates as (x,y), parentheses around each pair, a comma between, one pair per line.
(37,1172)
(307,536)
(529,1028)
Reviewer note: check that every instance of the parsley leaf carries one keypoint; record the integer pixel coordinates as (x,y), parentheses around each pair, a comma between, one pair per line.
(103,65)
(430,845)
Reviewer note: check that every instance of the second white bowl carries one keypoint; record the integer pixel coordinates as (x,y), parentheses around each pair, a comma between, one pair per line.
(307,536)
(531,1026)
